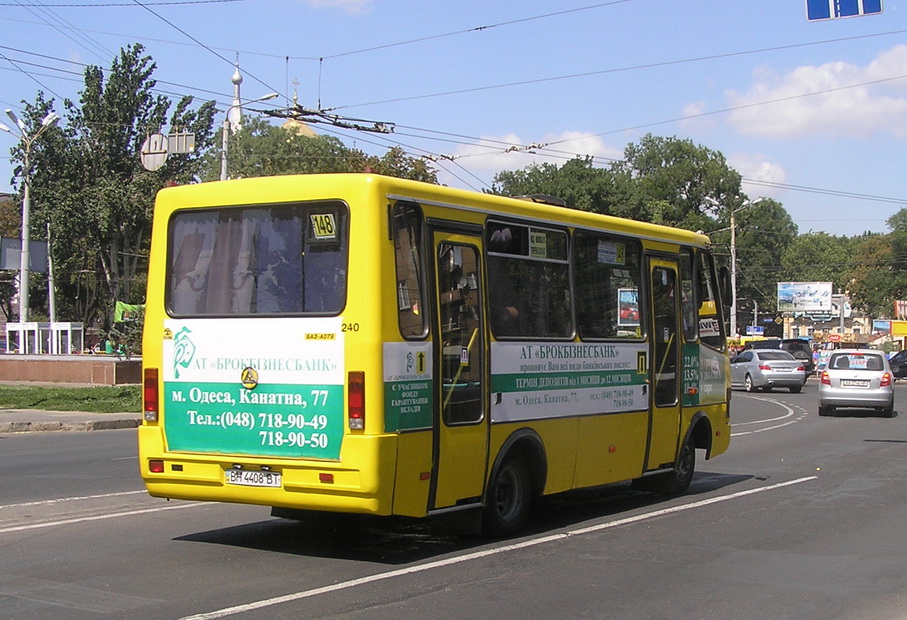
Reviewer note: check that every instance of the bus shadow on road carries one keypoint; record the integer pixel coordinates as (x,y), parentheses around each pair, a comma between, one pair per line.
(567,510)
(400,541)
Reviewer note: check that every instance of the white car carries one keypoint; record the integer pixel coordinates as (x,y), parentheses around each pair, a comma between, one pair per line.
(856,378)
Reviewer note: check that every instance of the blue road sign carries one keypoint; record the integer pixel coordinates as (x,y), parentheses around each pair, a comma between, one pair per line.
(831,9)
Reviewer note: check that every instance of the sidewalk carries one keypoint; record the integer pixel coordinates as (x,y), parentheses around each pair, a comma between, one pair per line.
(31,420)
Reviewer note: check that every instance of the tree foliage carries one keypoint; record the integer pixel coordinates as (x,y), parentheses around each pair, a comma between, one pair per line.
(676,183)
(577,182)
(262,149)
(90,186)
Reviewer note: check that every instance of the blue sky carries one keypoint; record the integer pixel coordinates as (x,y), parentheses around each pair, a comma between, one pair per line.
(812,114)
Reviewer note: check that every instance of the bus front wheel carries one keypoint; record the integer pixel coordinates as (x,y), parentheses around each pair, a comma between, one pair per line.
(509,498)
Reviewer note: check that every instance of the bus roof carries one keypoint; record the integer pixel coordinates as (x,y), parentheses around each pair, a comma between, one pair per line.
(326,186)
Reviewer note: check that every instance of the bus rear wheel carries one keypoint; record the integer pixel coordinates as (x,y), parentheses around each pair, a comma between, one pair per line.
(676,480)
(509,498)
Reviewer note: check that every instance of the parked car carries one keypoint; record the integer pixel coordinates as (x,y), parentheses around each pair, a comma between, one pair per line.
(856,378)
(898,363)
(766,369)
(797,347)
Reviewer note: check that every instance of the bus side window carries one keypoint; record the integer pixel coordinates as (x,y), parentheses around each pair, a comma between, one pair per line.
(608,302)
(407,230)
(711,325)
(687,297)
(528,281)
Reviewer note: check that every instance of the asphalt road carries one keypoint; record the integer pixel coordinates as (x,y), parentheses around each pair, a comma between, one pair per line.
(803,518)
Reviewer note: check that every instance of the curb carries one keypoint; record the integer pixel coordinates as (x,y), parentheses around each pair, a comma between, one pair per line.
(90,425)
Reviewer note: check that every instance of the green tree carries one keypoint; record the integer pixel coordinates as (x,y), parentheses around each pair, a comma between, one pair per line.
(10,218)
(262,149)
(872,287)
(91,187)
(818,257)
(678,183)
(764,232)
(578,182)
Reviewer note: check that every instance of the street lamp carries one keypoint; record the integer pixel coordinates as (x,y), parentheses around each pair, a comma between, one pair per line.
(28,141)
(733,212)
(234,114)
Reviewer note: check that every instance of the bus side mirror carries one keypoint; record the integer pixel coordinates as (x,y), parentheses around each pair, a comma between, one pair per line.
(724,281)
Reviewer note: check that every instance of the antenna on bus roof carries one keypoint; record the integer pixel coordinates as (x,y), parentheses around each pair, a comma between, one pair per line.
(543,199)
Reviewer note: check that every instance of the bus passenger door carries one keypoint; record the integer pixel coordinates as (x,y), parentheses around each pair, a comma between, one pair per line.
(460,421)
(664,363)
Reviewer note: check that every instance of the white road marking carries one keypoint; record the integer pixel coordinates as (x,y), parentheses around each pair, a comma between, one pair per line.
(112,515)
(229,611)
(60,500)
(790,413)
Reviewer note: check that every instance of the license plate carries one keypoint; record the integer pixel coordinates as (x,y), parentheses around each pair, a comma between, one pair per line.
(854,383)
(249,478)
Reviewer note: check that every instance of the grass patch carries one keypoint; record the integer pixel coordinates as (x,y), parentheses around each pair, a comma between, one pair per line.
(102,399)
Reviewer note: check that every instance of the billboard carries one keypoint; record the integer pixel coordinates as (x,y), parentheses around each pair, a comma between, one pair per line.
(804,296)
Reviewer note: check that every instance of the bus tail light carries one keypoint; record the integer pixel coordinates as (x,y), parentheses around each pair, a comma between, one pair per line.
(356,399)
(149,395)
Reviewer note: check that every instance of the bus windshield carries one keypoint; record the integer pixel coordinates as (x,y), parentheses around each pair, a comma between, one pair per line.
(274,260)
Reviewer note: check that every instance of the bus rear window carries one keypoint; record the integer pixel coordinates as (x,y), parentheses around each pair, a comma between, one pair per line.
(238,261)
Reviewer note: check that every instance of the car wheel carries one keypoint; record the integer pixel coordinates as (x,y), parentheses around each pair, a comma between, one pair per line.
(509,498)
(825,410)
(748,384)
(796,389)
(888,411)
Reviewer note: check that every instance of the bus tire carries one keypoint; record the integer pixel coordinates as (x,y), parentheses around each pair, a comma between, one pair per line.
(509,498)
(678,479)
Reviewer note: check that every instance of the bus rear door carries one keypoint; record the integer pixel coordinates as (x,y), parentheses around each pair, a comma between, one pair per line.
(664,364)
(460,425)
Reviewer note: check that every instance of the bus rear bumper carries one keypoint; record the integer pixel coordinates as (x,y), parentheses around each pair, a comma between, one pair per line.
(352,486)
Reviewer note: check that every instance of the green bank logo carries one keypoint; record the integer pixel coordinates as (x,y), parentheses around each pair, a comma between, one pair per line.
(183,350)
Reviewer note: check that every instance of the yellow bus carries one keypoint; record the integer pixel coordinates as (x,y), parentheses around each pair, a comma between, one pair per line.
(364,344)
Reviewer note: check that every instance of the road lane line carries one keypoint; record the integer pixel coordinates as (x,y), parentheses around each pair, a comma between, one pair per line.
(113,515)
(59,500)
(229,611)
(790,412)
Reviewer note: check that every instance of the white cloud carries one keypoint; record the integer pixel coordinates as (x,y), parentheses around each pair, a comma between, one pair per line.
(696,117)
(835,99)
(494,154)
(755,167)
(354,7)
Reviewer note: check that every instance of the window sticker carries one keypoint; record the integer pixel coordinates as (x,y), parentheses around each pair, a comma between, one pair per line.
(323,226)
(612,253)
(538,244)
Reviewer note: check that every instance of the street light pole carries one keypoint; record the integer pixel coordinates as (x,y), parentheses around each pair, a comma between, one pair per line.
(28,141)
(228,129)
(745,205)
(733,274)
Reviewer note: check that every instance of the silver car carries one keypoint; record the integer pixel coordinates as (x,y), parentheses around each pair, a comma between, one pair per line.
(856,378)
(766,369)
